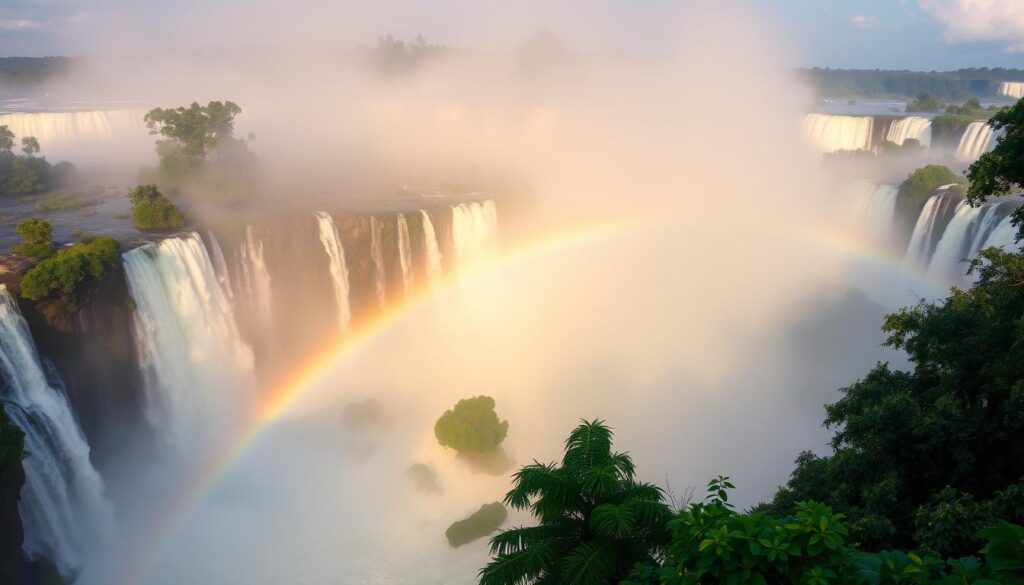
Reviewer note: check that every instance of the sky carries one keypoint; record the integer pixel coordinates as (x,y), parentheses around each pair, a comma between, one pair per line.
(888,34)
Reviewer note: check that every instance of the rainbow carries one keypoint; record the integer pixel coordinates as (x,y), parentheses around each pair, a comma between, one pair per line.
(286,394)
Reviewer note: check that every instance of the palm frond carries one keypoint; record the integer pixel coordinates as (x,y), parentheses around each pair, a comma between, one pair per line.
(590,564)
(613,521)
(589,444)
(523,566)
(516,539)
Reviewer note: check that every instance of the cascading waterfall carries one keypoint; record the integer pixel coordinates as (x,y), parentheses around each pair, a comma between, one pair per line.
(936,214)
(257,279)
(474,232)
(834,133)
(62,507)
(911,127)
(978,139)
(971,230)
(76,135)
(377,256)
(875,208)
(433,251)
(1014,89)
(191,354)
(404,252)
(219,265)
(339,269)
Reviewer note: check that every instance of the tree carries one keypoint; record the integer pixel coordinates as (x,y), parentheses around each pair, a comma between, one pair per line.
(30,146)
(36,237)
(1001,171)
(913,448)
(472,426)
(66,272)
(6,140)
(192,132)
(918,187)
(152,210)
(595,520)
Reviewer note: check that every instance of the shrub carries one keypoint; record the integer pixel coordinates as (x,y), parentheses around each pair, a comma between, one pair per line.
(481,523)
(472,426)
(152,210)
(36,237)
(65,272)
(918,187)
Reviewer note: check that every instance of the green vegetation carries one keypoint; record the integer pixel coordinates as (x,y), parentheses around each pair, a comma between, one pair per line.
(151,210)
(918,187)
(481,523)
(943,85)
(66,272)
(1001,171)
(36,238)
(64,201)
(198,150)
(28,173)
(472,426)
(714,544)
(595,520)
(925,102)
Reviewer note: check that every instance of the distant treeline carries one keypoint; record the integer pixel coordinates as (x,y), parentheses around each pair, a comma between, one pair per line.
(26,71)
(944,85)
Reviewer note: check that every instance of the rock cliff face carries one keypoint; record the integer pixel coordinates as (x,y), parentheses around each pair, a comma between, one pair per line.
(12,477)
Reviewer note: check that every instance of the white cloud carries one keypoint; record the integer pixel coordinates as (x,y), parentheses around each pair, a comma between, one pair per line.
(1000,21)
(20,24)
(862,21)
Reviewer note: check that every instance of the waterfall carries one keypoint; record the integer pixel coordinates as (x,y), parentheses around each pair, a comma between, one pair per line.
(1003,236)
(474,232)
(978,139)
(875,208)
(834,133)
(62,508)
(191,354)
(1014,89)
(75,135)
(404,252)
(914,127)
(219,265)
(935,215)
(433,252)
(972,229)
(377,255)
(257,279)
(339,270)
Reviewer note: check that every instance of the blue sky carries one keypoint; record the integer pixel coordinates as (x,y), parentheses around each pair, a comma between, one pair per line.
(904,34)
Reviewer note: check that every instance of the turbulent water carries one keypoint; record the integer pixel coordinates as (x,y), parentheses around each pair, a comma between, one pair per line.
(404,252)
(834,133)
(339,269)
(190,350)
(937,212)
(434,267)
(377,257)
(256,277)
(77,135)
(474,233)
(220,266)
(63,509)
(875,208)
(912,127)
(978,139)
(1014,89)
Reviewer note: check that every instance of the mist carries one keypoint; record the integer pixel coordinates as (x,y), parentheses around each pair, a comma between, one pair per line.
(661,267)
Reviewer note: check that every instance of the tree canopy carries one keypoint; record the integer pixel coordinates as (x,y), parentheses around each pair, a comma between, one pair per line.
(36,238)
(70,268)
(152,210)
(472,426)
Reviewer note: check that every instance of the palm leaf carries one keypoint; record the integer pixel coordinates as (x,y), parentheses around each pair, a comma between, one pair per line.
(613,521)
(589,444)
(590,564)
(523,566)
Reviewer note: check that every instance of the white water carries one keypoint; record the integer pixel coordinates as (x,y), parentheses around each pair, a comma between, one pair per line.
(978,139)
(339,269)
(1014,89)
(62,507)
(404,252)
(875,208)
(377,256)
(928,229)
(474,232)
(191,354)
(219,265)
(834,133)
(914,127)
(257,279)
(433,251)
(971,230)
(81,135)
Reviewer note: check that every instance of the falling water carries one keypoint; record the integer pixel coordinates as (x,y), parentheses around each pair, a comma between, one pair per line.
(339,270)
(936,214)
(377,255)
(433,252)
(219,265)
(474,232)
(191,354)
(1014,89)
(257,279)
(62,506)
(915,127)
(978,139)
(404,252)
(970,230)
(834,133)
(875,208)
(77,134)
